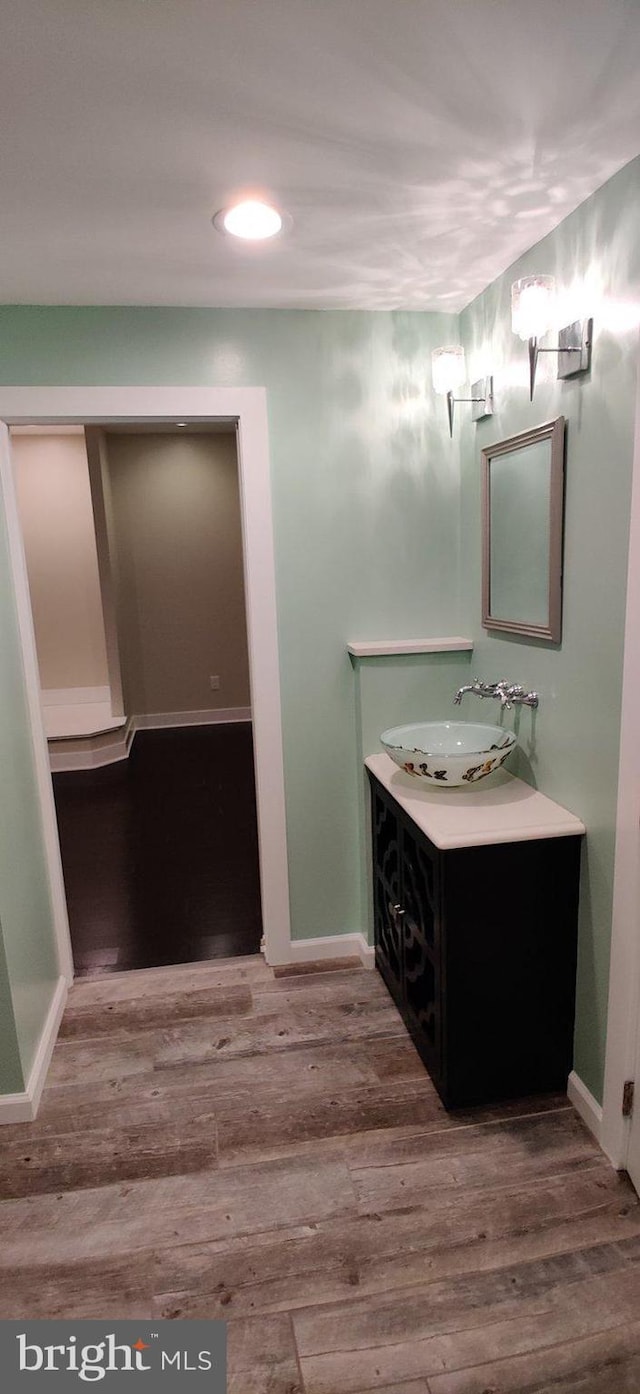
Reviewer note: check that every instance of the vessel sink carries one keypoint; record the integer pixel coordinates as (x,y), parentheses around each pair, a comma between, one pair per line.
(449,752)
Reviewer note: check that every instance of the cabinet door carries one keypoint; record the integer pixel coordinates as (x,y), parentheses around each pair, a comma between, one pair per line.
(510,962)
(386,891)
(421,943)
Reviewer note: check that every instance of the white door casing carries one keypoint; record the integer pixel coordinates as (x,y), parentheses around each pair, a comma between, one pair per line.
(32,687)
(633,1151)
(246,407)
(623,1019)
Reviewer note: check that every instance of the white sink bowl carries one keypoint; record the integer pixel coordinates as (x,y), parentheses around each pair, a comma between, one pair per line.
(447,753)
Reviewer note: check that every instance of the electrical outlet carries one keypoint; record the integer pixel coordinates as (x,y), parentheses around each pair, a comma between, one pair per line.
(214,683)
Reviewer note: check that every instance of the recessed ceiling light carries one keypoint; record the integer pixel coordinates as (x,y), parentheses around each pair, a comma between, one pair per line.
(181,423)
(251,220)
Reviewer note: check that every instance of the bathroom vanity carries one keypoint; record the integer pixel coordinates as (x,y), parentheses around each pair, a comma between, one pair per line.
(475,896)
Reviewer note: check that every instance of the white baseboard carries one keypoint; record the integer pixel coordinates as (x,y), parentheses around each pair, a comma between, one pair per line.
(154,721)
(367,954)
(16,1108)
(329,946)
(109,753)
(22,1108)
(97,752)
(584,1103)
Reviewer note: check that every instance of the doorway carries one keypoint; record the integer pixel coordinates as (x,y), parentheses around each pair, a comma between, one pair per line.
(243,409)
(135,533)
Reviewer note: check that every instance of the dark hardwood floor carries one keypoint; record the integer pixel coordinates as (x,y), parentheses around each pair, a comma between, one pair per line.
(160,852)
(224,1141)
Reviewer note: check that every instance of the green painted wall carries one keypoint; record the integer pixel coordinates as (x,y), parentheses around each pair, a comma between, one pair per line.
(28,965)
(570,746)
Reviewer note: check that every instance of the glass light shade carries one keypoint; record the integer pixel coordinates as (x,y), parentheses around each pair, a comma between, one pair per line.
(252,220)
(532,303)
(447,368)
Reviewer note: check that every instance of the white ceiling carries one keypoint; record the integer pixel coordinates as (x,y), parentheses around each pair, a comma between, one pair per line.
(420,145)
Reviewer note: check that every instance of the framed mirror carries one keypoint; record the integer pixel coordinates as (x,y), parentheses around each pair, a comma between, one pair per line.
(522,523)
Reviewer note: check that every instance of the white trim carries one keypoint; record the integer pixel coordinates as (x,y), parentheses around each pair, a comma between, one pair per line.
(153,721)
(42,1059)
(15,1108)
(623,1018)
(262,628)
(383,648)
(367,953)
(22,1108)
(82,720)
(68,727)
(47,430)
(246,408)
(584,1103)
(74,696)
(331,946)
(32,689)
(94,752)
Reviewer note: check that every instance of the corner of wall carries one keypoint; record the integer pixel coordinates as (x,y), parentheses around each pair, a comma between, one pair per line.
(19,1102)
(11,1072)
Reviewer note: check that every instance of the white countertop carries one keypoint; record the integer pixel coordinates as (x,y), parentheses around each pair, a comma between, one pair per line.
(499,808)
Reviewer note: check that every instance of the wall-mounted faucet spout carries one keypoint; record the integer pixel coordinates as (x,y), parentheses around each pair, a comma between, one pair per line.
(508,694)
(479,689)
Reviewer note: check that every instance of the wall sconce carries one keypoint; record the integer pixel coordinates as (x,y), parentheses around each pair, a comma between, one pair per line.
(532,305)
(448,372)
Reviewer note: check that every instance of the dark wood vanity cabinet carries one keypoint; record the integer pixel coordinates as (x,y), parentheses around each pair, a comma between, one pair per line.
(477,946)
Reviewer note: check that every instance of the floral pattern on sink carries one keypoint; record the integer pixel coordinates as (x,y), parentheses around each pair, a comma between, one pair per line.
(448,753)
(469,775)
(421,771)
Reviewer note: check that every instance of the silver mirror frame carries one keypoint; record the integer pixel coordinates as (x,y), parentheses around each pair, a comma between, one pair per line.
(554,432)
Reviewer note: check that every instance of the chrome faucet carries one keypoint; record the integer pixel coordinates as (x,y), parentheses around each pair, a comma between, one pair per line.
(508,694)
(480,689)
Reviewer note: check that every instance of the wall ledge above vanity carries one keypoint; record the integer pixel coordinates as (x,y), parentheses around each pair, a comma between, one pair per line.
(386,648)
(504,809)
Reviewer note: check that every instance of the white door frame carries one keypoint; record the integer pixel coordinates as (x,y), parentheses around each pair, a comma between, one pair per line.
(247,408)
(623,1020)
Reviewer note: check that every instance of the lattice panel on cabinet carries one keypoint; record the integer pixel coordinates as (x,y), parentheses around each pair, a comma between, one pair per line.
(420,982)
(386,838)
(419,888)
(387,890)
(421,979)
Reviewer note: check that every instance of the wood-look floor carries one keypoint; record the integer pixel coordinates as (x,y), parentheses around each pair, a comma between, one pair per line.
(219,1141)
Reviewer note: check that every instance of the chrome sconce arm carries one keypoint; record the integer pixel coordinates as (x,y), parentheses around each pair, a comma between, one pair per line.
(482,398)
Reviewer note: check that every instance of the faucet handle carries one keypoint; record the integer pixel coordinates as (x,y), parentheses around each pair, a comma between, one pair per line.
(518,694)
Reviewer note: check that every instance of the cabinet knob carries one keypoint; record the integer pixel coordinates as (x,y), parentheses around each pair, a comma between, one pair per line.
(396,913)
